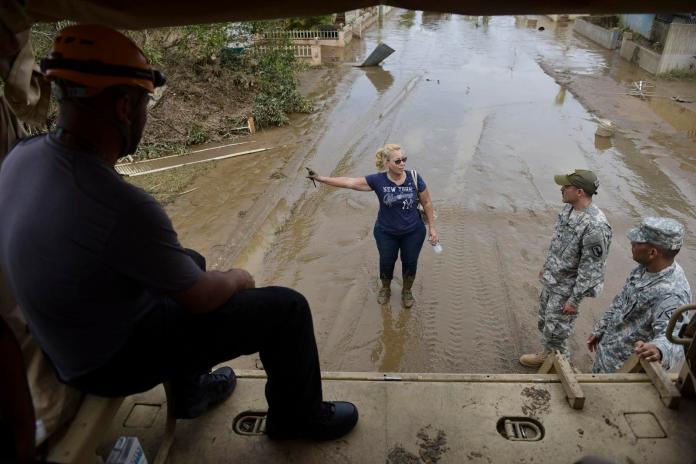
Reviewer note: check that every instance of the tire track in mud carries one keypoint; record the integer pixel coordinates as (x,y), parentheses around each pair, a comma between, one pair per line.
(465,301)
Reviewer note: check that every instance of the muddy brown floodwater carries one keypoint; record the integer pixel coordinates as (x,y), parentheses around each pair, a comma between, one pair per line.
(486,127)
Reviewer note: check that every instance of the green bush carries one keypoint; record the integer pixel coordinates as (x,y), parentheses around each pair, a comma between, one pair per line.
(277,83)
(196,135)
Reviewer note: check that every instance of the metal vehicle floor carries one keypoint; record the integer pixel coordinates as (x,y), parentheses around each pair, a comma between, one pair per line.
(412,418)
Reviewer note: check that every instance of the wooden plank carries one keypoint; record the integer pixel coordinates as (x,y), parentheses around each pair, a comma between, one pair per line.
(470,378)
(547,367)
(686,382)
(668,391)
(574,394)
(80,440)
(170,427)
(632,365)
(687,378)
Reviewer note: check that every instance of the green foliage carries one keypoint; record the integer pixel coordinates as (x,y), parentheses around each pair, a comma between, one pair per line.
(156,149)
(196,134)
(679,74)
(408,18)
(204,40)
(278,95)
(310,23)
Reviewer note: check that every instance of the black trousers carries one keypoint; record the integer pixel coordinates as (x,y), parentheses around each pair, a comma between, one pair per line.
(170,344)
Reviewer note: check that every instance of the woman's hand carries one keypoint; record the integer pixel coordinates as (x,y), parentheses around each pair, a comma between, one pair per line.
(432,235)
(311,175)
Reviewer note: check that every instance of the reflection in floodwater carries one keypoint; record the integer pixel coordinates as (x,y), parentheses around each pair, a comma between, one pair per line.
(380,78)
(390,347)
(408,18)
(560,96)
(433,20)
(679,117)
(602,143)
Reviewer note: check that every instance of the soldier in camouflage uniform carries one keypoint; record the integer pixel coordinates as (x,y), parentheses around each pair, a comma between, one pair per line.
(637,318)
(575,262)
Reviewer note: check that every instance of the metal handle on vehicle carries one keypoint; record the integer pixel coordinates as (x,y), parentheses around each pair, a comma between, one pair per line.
(516,430)
(673,322)
(250,423)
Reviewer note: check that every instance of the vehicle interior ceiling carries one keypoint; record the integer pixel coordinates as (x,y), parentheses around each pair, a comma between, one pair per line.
(131,14)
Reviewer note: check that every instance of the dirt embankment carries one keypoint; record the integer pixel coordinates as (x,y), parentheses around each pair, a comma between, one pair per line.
(200,104)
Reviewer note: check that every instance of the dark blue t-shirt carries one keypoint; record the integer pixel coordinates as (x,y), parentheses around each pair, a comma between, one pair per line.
(84,252)
(398,213)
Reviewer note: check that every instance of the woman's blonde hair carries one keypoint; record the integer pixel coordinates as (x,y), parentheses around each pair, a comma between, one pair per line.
(383,154)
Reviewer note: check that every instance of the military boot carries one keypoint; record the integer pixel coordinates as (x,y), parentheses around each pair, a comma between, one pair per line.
(384,292)
(533,359)
(406,295)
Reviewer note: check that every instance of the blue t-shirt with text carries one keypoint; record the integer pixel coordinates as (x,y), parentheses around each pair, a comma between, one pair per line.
(398,213)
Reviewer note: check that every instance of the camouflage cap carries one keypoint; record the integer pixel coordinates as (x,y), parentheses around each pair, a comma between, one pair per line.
(581,178)
(663,232)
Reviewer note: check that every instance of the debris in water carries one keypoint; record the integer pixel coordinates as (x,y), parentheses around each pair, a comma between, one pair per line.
(641,89)
(379,54)
(605,128)
(144,167)
(681,100)
(542,28)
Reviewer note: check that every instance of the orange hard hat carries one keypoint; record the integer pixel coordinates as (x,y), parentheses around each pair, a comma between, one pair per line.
(96,57)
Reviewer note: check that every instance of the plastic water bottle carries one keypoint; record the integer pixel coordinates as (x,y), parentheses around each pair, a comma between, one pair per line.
(437,248)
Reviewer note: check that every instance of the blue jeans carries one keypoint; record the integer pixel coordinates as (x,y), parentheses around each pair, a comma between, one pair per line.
(389,245)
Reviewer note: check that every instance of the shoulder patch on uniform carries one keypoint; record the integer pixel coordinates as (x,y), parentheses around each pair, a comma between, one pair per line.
(597,251)
(593,238)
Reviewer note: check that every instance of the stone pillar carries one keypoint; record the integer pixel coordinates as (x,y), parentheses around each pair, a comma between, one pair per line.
(316,53)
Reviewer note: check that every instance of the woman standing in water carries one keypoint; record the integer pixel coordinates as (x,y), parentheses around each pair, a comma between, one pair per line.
(399,226)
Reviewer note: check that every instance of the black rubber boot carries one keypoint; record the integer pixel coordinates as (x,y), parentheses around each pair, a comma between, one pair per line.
(384,292)
(407,298)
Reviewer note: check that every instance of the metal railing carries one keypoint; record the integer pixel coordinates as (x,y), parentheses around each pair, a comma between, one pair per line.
(300,51)
(283,34)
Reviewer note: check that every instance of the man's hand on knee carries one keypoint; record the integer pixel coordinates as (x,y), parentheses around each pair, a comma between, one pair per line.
(213,288)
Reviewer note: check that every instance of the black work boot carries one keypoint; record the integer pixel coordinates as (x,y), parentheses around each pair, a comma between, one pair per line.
(194,399)
(334,420)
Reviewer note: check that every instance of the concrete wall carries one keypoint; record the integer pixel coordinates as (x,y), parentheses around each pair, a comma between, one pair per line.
(564,17)
(646,59)
(679,49)
(679,52)
(640,23)
(659,32)
(608,38)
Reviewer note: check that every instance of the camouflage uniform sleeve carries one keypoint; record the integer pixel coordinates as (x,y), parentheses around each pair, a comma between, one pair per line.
(672,354)
(601,326)
(591,267)
(556,226)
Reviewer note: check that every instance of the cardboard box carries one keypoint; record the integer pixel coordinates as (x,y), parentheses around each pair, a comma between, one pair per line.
(127,450)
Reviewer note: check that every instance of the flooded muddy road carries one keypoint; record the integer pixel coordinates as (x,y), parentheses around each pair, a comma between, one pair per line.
(486,127)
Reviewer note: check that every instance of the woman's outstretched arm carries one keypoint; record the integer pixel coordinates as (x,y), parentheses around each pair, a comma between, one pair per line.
(354,183)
